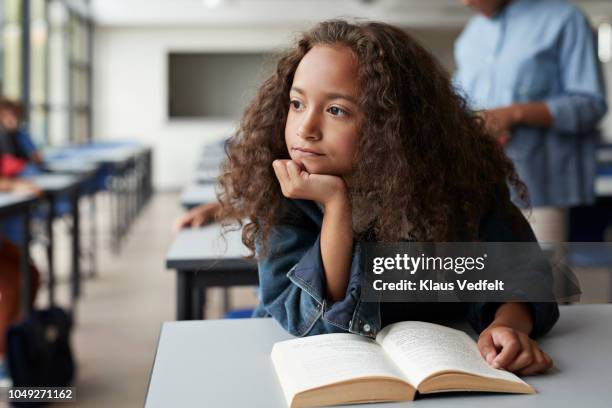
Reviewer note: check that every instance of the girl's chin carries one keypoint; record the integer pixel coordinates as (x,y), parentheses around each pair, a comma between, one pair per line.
(315,168)
(306,166)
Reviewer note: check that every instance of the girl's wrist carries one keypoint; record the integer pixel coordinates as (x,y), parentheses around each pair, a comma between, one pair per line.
(515,315)
(338,199)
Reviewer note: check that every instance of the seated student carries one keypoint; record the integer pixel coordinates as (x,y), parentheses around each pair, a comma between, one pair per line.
(18,157)
(360,136)
(17,151)
(10,289)
(198,216)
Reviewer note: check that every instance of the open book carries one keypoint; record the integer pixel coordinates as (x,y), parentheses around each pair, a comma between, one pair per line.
(406,357)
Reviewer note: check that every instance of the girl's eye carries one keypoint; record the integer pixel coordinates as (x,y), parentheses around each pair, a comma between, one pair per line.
(337,111)
(295,104)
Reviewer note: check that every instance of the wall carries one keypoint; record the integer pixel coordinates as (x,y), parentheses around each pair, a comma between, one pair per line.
(130,85)
(130,90)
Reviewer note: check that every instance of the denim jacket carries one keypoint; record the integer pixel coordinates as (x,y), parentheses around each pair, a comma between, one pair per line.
(292,280)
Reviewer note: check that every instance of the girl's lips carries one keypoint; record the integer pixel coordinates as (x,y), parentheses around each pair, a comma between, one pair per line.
(305,152)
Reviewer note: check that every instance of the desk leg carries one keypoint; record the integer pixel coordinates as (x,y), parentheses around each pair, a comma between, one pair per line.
(184,295)
(50,251)
(199,303)
(93,231)
(76,248)
(226,300)
(26,270)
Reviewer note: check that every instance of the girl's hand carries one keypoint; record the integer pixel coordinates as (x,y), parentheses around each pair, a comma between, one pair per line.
(504,347)
(298,183)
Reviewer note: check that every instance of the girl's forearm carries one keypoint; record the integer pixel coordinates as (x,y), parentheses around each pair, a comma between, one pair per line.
(515,315)
(337,246)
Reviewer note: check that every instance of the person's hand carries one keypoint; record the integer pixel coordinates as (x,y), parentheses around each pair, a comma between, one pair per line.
(24,186)
(198,216)
(298,183)
(506,348)
(499,122)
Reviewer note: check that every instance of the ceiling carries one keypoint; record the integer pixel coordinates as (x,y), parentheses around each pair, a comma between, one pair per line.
(409,13)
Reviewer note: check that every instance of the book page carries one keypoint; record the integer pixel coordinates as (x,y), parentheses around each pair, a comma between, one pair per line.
(314,361)
(421,349)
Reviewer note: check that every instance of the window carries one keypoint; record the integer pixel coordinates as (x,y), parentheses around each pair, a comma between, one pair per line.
(55,73)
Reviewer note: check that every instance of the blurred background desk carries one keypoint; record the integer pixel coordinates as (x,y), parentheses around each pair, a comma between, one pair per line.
(202,259)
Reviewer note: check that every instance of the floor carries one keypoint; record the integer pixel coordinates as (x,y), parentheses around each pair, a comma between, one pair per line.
(121,310)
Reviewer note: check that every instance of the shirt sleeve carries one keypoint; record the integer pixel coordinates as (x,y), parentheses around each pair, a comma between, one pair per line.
(582,102)
(507,224)
(292,281)
(26,143)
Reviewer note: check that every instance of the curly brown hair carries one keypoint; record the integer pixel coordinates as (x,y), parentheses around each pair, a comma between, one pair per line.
(435,163)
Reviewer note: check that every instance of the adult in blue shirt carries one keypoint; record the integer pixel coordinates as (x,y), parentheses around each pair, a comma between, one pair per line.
(531,66)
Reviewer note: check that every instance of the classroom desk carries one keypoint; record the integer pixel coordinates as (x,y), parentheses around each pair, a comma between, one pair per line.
(89,171)
(195,195)
(202,260)
(226,363)
(207,176)
(129,182)
(71,167)
(20,204)
(54,187)
(603,185)
(211,160)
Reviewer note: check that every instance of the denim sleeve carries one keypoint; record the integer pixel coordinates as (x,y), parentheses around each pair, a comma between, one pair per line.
(293,284)
(510,225)
(582,102)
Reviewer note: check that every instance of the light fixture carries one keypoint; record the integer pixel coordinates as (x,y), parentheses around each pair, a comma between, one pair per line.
(212,4)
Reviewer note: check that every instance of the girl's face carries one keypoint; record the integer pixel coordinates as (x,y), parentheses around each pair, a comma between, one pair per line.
(324,118)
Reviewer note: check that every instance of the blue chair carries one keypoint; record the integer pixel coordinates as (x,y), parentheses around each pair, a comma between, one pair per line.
(239,314)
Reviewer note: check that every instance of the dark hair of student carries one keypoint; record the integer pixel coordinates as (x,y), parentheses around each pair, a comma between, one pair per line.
(422,152)
(15,107)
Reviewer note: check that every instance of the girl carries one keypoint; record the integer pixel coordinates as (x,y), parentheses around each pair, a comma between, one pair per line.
(359,136)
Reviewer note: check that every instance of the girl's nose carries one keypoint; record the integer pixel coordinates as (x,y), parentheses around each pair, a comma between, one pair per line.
(309,128)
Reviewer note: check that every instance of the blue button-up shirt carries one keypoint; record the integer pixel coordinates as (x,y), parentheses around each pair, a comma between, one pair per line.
(539,50)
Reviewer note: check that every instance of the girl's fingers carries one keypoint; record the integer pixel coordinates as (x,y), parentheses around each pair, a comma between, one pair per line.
(487,347)
(525,357)
(510,345)
(281,172)
(549,361)
(293,170)
(541,362)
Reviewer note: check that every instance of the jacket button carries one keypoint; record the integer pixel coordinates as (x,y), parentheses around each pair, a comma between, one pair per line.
(366,328)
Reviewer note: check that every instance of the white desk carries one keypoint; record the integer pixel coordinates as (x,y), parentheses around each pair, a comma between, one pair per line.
(55,187)
(226,363)
(194,195)
(202,259)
